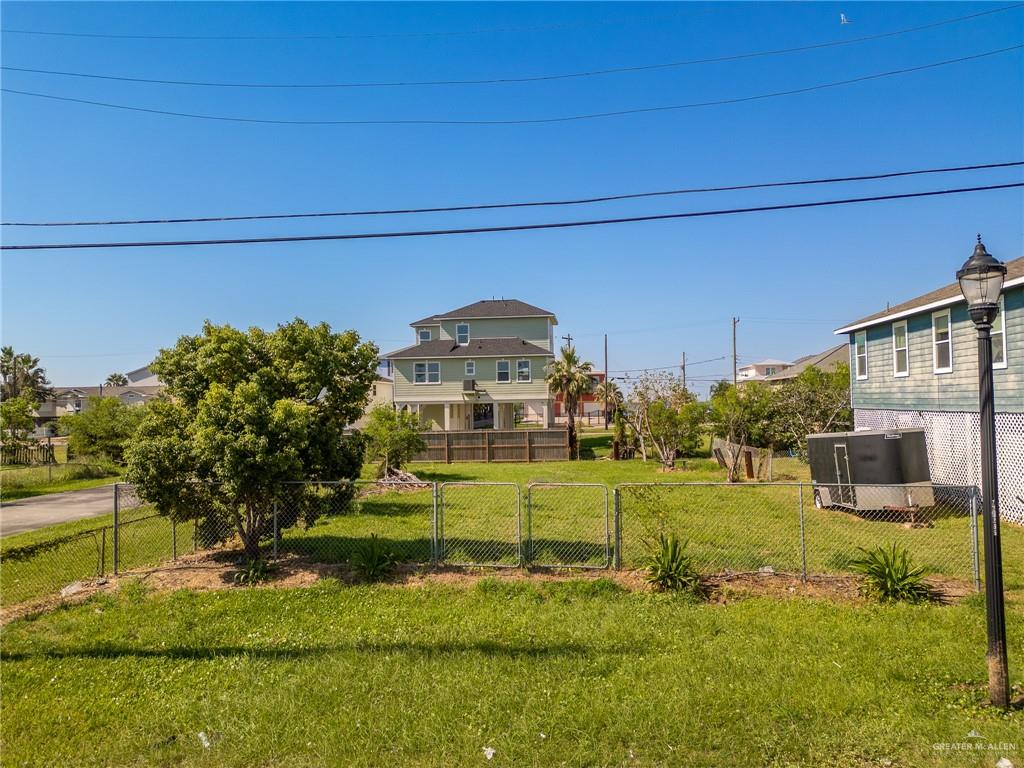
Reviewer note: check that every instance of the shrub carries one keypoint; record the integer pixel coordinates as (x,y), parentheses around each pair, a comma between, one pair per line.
(669,568)
(254,572)
(373,559)
(890,576)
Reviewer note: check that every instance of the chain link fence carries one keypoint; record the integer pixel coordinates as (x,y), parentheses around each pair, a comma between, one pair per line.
(793,528)
(480,524)
(568,524)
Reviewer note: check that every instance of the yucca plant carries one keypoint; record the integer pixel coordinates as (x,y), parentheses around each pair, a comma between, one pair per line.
(669,568)
(890,576)
(373,559)
(253,572)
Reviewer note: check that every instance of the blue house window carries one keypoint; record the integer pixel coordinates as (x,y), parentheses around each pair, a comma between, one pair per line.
(900,350)
(860,354)
(942,342)
(999,338)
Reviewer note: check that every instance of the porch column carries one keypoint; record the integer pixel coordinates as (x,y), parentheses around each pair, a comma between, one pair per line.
(448,417)
(546,411)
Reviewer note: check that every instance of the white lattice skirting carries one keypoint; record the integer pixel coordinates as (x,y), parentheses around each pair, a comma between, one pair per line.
(953,454)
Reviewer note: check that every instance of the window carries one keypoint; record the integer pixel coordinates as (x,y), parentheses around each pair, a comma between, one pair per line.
(427,373)
(769,371)
(942,346)
(999,338)
(860,353)
(900,349)
(462,333)
(503,372)
(471,367)
(522,370)
(424,334)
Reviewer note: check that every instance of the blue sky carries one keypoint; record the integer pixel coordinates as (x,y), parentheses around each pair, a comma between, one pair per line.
(658,289)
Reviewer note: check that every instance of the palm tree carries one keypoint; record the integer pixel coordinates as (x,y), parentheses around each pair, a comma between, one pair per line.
(569,377)
(116,380)
(21,375)
(612,391)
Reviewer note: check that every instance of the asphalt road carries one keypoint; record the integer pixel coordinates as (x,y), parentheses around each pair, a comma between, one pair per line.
(41,511)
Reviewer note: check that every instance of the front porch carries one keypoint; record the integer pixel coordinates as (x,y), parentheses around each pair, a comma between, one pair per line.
(477,415)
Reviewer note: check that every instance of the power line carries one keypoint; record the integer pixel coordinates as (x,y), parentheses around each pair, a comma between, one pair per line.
(528,204)
(523,121)
(519,79)
(507,228)
(668,367)
(353,36)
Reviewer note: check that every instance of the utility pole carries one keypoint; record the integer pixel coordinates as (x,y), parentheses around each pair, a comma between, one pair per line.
(735,320)
(568,340)
(682,369)
(606,381)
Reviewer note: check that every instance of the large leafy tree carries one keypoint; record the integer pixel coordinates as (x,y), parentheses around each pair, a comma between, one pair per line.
(247,413)
(103,428)
(21,376)
(665,415)
(569,377)
(813,402)
(16,420)
(392,438)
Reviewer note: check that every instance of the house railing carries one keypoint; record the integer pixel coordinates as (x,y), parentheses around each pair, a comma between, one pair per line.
(495,445)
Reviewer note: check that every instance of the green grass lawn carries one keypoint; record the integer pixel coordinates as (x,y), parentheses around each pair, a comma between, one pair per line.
(24,482)
(569,673)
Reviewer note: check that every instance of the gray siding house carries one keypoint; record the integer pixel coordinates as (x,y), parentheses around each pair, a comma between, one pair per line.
(472,367)
(916,365)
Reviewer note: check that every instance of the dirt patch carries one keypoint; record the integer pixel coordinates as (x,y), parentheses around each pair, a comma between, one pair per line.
(205,571)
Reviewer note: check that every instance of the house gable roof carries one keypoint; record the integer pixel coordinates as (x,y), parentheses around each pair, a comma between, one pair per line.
(489,308)
(947,294)
(826,361)
(499,347)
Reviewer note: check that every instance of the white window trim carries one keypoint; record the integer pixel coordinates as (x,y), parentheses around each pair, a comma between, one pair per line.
(457,341)
(1006,351)
(949,341)
(529,369)
(426,372)
(498,380)
(471,368)
(856,357)
(421,331)
(906,340)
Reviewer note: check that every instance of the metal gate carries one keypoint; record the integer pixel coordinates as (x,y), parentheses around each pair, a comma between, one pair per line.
(568,525)
(480,524)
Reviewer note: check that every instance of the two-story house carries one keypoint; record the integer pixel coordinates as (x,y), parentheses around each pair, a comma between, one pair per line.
(470,368)
(916,365)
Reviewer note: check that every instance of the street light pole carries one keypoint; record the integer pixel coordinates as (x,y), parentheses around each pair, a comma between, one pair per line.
(981,281)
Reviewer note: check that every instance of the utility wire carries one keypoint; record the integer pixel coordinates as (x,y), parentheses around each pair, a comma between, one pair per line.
(523,121)
(528,204)
(358,36)
(669,367)
(519,79)
(507,228)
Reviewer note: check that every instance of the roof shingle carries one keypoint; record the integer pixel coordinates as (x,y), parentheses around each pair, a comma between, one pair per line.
(489,308)
(476,348)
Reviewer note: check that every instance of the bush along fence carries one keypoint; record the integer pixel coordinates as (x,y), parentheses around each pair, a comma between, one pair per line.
(767,527)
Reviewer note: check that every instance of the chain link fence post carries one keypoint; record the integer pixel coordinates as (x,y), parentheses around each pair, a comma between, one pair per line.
(975,560)
(529,525)
(277,532)
(117,532)
(803,538)
(433,524)
(174,540)
(618,528)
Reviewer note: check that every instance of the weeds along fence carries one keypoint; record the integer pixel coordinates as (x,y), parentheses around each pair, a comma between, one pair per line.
(792,528)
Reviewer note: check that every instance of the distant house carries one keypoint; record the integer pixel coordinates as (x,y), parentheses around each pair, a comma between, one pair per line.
(475,366)
(825,361)
(916,365)
(76,399)
(761,369)
(588,406)
(143,377)
(381,393)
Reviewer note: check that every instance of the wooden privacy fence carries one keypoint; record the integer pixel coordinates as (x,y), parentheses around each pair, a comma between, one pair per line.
(27,454)
(495,445)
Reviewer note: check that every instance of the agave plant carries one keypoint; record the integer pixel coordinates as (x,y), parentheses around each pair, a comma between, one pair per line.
(669,568)
(890,575)
(253,572)
(373,559)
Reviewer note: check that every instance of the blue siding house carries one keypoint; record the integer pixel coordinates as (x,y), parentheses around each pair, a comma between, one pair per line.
(916,365)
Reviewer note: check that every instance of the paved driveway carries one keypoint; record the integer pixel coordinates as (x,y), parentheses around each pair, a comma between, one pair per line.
(41,511)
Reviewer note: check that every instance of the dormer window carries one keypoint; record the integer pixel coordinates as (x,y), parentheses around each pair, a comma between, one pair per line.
(462,333)
(424,334)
